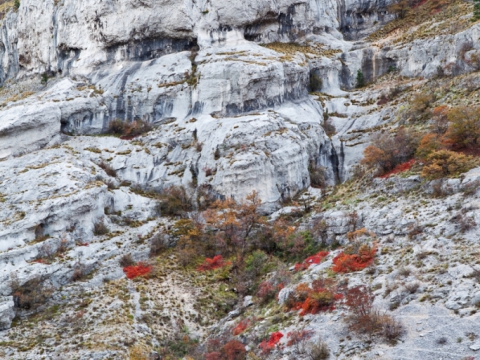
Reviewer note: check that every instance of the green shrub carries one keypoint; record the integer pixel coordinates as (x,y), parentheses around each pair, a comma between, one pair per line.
(316,82)
(360,79)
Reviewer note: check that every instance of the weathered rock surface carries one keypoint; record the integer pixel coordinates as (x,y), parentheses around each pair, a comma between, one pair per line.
(226,87)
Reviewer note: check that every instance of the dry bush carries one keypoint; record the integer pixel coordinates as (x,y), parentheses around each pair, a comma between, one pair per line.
(318,351)
(366,320)
(419,105)
(319,231)
(139,352)
(317,175)
(412,287)
(387,151)
(471,188)
(464,128)
(414,230)
(32,294)
(108,169)
(129,130)
(174,201)
(116,126)
(444,163)
(402,8)
(99,228)
(79,271)
(405,272)
(39,232)
(464,223)
(429,144)
(158,244)
(329,128)
(126,260)
(46,252)
(440,120)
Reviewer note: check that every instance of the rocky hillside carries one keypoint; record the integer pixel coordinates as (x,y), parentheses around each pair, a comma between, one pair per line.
(239,180)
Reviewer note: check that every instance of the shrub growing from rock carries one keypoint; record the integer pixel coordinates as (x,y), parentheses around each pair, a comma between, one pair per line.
(444,163)
(99,228)
(346,263)
(174,201)
(129,130)
(365,320)
(133,271)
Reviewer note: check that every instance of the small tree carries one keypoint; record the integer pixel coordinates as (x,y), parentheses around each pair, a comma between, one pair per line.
(360,79)
(464,127)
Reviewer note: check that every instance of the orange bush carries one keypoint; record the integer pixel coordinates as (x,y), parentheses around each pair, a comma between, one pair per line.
(345,263)
(211,264)
(428,144)
(445,163)
(312,300)
(137,270)
(241,327)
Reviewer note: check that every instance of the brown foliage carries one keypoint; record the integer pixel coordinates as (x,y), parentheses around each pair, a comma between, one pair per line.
(174,201)
(419,105)
(387,151)
(428,144)
(365,320)
(108,169)
(445,163)
(99,228)
(126,260)
(464,128)
(31,294)
(130,130)
(317,175)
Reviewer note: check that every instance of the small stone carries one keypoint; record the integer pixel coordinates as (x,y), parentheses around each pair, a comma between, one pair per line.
(475,347)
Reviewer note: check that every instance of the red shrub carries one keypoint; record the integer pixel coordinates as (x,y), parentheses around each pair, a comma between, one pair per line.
(40,261)
(399,168)
(314,259)
(137,270)
(234,350)
(298,336)
(266,291)
(345,263)
(214,356)
(269,345)
(211,264)
(241,327)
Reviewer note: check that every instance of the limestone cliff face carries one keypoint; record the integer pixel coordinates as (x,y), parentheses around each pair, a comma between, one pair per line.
(237,92)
